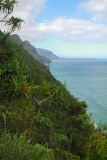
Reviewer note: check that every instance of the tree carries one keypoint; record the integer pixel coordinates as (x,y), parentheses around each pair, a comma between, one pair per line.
(6,8)
(44,91)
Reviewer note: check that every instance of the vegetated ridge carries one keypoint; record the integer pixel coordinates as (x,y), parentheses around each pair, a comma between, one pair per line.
(32,100)
(30,48)
(47,53)
(39,118)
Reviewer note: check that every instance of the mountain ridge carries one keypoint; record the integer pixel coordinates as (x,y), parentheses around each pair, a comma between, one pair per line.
(30,48)
(40,54)
(47,53)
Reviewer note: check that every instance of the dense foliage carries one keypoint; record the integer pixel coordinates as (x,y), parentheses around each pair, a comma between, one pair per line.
(26,85)
(39,118)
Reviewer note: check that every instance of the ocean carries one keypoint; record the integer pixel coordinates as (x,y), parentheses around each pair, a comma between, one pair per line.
(86,79)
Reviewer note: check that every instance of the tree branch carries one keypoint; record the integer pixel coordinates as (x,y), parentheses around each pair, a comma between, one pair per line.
(38,102)
(27,96)
(46,98)
(4,21)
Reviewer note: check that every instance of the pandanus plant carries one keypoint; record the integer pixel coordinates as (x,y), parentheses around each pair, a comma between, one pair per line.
(6,8)
(18,147)
(14,147)
(39,94)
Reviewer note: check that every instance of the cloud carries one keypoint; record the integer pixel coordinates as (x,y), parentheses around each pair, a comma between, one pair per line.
(70,29)
(76,30)
(34,7)
(28,9)
(98,8)
(31,7)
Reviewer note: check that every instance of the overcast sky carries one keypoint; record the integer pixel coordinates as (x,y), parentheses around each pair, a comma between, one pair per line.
(69,28)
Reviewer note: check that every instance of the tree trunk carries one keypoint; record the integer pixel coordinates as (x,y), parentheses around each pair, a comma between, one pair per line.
(39,109)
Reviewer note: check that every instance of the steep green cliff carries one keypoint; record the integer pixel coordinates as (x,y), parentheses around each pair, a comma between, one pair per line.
(30,48)
(33,101)
(39,118)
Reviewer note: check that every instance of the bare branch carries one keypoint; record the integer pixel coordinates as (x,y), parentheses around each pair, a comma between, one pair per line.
(46,98)
(27,96)
(38,102)
(3,21)
(35,100)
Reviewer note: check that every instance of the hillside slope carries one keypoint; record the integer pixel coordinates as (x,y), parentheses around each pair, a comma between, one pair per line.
(27,87)
(30,48)
(46,53)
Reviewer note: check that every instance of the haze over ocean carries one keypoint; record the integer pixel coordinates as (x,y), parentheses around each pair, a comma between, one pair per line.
(86,79)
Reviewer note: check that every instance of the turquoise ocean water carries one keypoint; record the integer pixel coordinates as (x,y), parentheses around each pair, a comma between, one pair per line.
(86,79)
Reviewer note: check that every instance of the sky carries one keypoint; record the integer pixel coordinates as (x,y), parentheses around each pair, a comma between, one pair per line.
(68,28)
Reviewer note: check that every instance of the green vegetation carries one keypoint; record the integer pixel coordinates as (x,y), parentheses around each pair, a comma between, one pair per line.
(31,49)
(6,8)
(17,148)
(39,118)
